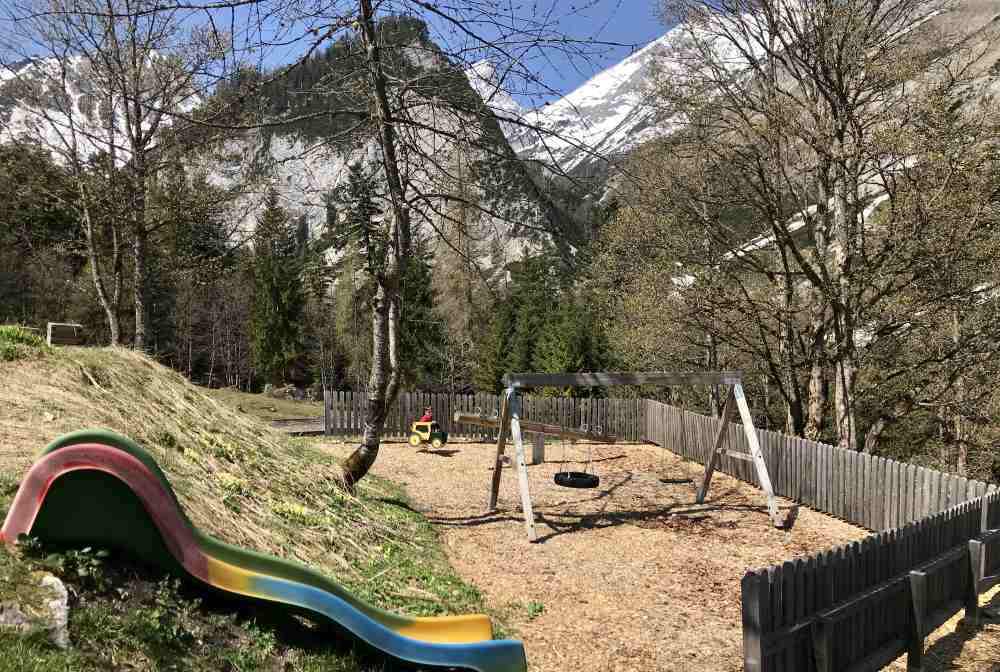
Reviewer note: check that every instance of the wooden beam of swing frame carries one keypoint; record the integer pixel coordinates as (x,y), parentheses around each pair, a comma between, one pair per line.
(536,427)
(717,450)
(610,379)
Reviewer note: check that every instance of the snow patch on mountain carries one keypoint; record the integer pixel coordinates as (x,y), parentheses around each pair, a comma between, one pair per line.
(490,85)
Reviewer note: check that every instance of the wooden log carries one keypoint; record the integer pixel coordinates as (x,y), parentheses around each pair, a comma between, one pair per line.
(504,425)
(717,452)
(522,469)
(536,427)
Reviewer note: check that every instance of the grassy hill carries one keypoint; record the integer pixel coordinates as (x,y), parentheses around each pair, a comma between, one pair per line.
(239,481)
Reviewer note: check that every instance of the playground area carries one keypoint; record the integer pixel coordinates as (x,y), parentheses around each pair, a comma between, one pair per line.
(628,576)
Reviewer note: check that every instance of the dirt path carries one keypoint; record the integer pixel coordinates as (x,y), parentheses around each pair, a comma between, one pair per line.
(630,576)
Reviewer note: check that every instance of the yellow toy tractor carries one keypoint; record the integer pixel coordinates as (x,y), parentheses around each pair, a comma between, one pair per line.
(427,432)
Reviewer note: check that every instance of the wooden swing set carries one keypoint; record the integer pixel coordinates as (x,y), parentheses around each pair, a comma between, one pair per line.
(510,424)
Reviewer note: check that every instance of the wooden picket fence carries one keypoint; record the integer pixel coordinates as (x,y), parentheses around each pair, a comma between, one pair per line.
(859,606)
(862,605)
(872,492)
(345,413)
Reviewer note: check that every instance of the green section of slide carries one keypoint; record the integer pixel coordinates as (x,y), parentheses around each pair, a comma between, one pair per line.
(93,508)
(99,504)
(109,438)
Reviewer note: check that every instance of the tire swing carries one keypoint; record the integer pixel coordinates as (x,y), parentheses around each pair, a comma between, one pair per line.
(585,479)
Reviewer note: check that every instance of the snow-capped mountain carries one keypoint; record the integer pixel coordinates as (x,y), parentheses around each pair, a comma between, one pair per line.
(61,107)
(606,116)
(613,112)
(462,157)
(488,83)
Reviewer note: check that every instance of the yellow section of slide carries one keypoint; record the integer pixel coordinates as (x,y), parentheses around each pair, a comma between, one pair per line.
(433,629)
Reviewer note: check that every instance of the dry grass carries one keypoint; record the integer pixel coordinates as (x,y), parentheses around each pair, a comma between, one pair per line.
(958,647)
(238,479)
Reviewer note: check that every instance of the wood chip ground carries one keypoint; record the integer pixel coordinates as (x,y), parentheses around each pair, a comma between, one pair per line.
(632,576)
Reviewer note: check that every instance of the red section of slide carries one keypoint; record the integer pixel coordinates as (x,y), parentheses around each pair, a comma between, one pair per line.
(175,530)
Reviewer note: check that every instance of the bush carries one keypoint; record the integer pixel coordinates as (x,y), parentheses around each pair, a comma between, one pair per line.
(18,343)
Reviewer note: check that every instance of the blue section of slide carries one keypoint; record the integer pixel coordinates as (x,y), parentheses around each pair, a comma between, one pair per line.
(488,656)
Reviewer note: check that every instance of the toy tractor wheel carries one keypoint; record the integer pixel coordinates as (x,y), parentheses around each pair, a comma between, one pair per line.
(415,440)
(436,443)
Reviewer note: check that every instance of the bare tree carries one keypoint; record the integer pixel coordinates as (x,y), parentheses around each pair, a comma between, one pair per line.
(104,78)
(798,102)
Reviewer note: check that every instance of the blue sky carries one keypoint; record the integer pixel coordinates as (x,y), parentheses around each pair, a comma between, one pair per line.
(624,21)
(629,23)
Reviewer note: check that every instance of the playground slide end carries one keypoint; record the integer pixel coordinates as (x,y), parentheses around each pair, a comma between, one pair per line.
(99,488)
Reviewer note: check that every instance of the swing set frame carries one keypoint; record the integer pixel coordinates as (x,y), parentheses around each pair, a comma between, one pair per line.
(510,425)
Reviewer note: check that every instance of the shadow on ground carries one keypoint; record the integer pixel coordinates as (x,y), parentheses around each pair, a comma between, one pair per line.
(946,653)
(560,518)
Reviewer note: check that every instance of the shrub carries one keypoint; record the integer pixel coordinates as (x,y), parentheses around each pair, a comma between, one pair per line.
(16,342)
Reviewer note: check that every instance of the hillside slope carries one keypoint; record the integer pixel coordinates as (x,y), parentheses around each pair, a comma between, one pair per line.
(237,479)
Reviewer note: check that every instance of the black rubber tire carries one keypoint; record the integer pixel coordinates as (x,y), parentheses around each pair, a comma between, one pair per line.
(577,479)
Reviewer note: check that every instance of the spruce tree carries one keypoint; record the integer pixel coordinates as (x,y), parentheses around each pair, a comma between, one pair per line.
(279,299)
(533,299)
(353,230)
(571,340)
(492,354)
(423,338)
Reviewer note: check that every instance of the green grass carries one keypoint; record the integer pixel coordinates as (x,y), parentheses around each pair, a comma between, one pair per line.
(142,621)
(19,343)
(265,407)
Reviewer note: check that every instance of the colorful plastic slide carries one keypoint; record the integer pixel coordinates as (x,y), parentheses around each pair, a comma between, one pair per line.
(98,488)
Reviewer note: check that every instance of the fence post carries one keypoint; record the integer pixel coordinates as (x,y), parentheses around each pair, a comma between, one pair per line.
(755,605)
(327,408)
(977,569)
(538,449)
(918,604)
(822,638)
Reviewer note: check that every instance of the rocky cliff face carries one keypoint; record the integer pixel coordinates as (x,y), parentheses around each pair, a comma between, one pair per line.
(460,168)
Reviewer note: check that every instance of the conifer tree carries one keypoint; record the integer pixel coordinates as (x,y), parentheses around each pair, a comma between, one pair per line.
(571,340)
(279,299)
(493,352)
(353,230)
(423,338)
(532,298)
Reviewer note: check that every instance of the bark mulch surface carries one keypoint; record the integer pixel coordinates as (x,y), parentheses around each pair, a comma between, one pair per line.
(629,576)
(958,646)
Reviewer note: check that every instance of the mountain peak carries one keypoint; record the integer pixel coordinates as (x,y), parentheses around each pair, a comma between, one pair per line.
(488,82)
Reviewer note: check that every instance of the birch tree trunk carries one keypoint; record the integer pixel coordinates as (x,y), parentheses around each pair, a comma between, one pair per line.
(383,381)
(109,304)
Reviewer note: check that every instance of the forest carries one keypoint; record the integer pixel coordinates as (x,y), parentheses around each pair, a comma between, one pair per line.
(833,233)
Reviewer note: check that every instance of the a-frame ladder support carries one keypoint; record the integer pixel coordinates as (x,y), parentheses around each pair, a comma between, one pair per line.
(736,400)
(510,416)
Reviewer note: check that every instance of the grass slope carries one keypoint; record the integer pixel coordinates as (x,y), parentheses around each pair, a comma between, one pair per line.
(265,407)
(238,480)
